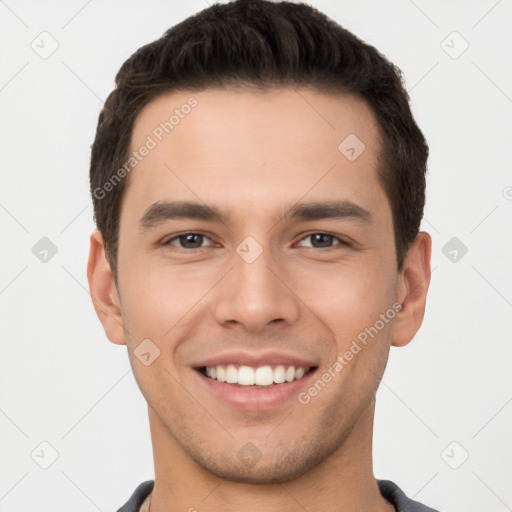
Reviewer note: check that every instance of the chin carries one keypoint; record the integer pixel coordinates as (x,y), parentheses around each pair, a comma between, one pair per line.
(259,469)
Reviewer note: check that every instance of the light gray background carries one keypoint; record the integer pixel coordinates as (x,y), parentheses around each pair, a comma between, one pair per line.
(64,383)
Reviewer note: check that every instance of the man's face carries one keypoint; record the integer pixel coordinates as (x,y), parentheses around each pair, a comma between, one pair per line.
(258,288)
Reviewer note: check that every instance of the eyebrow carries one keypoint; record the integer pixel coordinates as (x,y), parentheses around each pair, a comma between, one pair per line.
(162,211)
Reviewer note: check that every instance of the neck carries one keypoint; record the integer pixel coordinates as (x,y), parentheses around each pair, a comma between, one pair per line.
(344,481)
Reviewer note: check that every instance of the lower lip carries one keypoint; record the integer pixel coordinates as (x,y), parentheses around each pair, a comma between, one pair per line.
(249,398)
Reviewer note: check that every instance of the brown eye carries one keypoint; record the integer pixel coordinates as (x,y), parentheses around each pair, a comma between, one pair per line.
(323,240)
(188,240)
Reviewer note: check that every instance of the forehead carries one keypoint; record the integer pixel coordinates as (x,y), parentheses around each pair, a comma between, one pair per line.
(275,144)
(216,116)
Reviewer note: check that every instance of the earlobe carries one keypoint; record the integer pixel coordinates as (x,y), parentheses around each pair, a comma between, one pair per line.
(103,290)
(413,284)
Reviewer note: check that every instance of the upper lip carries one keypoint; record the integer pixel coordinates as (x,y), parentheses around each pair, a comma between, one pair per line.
(256,359)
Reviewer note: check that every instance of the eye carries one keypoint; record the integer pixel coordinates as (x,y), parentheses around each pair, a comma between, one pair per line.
(323,240)
(188,240)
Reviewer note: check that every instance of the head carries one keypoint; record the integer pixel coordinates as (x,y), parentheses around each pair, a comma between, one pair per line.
(248,109)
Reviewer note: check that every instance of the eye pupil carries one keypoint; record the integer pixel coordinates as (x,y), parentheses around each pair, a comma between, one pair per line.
(322,238)
(185,239)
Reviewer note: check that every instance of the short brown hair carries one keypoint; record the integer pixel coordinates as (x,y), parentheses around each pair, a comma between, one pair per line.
(263,44)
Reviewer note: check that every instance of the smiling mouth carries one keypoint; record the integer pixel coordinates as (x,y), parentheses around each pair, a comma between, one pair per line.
(255,377)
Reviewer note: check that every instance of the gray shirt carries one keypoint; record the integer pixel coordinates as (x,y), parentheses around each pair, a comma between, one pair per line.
(388,489)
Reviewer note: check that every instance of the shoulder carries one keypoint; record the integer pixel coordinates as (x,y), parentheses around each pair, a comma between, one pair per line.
(138,497)
(398,498)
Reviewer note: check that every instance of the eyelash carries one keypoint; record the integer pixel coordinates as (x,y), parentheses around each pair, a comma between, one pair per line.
(177,237)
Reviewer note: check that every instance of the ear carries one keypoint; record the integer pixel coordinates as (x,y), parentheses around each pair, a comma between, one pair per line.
(412,288)
(103,290)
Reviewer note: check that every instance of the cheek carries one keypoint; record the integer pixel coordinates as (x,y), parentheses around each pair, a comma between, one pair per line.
(348,298)
(158,299)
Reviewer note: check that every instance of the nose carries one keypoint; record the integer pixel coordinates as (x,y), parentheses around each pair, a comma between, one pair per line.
(256,294)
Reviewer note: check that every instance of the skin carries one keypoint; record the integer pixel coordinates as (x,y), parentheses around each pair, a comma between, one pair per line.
(254,155)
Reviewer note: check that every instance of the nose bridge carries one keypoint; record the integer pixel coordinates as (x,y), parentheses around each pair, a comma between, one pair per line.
(252,271)
(253,294)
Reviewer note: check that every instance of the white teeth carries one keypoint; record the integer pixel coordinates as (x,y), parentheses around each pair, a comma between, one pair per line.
(221,373)
(260,376)
(279,374)
(264,376)
(231,374)
(246,376)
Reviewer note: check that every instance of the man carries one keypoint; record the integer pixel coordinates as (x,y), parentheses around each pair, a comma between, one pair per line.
(258,183)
